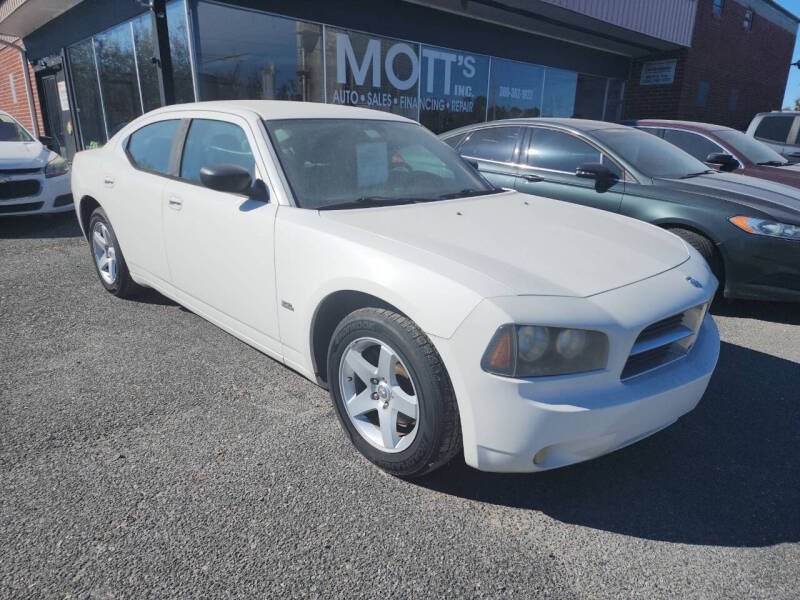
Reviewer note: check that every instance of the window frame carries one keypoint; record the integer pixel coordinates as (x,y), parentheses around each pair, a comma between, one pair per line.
(514,154)
(604,155)
(179,134)
(179,151)
(791,134)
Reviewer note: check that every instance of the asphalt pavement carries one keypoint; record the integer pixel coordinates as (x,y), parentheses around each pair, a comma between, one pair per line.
(144,453)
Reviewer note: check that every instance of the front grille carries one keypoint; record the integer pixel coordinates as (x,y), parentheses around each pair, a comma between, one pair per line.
(664,341)
(9,208)
(20,188)
(27,171)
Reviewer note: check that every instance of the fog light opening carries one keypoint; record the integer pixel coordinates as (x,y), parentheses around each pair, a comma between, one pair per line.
(541,455)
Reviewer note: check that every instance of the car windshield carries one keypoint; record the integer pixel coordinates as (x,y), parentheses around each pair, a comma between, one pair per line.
(351,163)
(11,131)
(650,154)
(751,149)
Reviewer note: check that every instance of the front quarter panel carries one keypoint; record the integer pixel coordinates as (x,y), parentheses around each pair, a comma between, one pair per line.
(316,257)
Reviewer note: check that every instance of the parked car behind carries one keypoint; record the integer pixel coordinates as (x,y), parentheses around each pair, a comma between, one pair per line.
(746,228)
(725,149)
(361,251)
(779,131)
(33,178)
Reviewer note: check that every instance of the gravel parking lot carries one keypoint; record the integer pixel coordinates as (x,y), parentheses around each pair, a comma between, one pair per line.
(146,453)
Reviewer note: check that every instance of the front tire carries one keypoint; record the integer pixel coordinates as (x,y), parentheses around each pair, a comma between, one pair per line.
(706,249)
(392,394)
(109,263)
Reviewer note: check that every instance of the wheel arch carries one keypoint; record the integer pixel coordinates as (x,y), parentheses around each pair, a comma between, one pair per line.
(328,314)
(678,224)
(86,206)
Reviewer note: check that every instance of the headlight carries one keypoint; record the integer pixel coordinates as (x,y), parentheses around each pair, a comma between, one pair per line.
(764,227)
(57,166)
(537,351)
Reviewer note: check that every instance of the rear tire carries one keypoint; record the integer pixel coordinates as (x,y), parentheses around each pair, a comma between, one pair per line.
(706,249)
(383,369)
(107,257)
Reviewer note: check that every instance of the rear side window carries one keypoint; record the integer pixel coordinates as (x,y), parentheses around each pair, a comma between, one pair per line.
(774,129)
(149,148)
(212,142)
(492,143)
(558,151)
(694,144)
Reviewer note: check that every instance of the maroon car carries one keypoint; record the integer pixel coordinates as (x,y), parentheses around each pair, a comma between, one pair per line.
(724,149)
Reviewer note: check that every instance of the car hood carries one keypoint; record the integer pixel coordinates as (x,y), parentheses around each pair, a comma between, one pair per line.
(788,175)
(776,199)
(20,155)
(531,245)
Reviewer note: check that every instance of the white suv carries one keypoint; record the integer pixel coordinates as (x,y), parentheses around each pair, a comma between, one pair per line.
(778,130)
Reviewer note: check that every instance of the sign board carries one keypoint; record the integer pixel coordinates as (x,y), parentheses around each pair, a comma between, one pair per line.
(62,96)
(658,72)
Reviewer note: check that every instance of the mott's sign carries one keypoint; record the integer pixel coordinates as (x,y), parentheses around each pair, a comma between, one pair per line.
(376,71)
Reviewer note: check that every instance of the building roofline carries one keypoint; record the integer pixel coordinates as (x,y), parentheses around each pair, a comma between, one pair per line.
(785,11)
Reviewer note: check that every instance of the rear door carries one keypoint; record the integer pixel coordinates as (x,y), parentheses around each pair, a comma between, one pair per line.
(551,158)
(496,149)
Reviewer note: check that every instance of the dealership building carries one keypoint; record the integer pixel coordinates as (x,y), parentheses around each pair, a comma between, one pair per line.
(78,70)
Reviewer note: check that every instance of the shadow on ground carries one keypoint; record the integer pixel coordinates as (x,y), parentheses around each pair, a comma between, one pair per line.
(774,312)
(726,474)
(61,225)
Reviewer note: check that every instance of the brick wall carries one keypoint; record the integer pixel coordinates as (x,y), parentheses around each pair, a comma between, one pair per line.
(11,64)
(753,64)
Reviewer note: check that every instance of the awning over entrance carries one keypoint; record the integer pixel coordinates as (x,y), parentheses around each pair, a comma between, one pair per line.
(18,18)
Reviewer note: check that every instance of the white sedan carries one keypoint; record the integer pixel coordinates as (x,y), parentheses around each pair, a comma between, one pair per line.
(33,179)
(440,312)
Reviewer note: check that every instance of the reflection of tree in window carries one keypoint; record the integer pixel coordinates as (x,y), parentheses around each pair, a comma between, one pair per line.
(87,95)
(115,65)
(248,54)
(179,52)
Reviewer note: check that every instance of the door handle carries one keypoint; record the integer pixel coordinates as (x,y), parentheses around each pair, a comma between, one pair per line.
(174,202)
(532,178)
(108,181)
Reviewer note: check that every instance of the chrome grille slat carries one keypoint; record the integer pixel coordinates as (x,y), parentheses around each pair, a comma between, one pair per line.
(664,338)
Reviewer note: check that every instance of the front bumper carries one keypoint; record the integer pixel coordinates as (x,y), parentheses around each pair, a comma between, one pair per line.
(759,267)
(527,425)
(53,195)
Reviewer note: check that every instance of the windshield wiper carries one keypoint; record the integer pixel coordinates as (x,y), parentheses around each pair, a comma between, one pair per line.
(706,172)
(468,193)
(773,163)
(371,201)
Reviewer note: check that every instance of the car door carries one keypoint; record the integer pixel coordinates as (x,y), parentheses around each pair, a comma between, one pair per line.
(779,132)
(139,184)
(220,246)
(551,157)
(496,151)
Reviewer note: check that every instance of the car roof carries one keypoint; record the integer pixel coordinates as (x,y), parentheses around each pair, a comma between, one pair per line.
(696,125)
(577,124)
(285,109)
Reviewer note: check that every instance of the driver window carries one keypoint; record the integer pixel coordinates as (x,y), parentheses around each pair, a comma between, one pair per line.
(212,142)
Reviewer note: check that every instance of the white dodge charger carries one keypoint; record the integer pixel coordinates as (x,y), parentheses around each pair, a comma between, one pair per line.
(440,312)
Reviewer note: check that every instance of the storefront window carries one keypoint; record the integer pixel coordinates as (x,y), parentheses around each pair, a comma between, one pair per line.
(616,93)
(372,71)
(179,51)
(516,90)
(248,54)
(453,88)
(87,94)
(145,51)
(118,83)
(559,93)
(590,96)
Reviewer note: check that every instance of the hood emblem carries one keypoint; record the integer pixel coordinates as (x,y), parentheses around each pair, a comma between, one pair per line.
(694,281)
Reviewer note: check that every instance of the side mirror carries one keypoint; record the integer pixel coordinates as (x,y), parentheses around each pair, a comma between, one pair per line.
(49,143)
(226,178)
(723,160)
(596,171)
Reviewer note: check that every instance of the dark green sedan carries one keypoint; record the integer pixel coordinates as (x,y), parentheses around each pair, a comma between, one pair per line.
(747,229)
